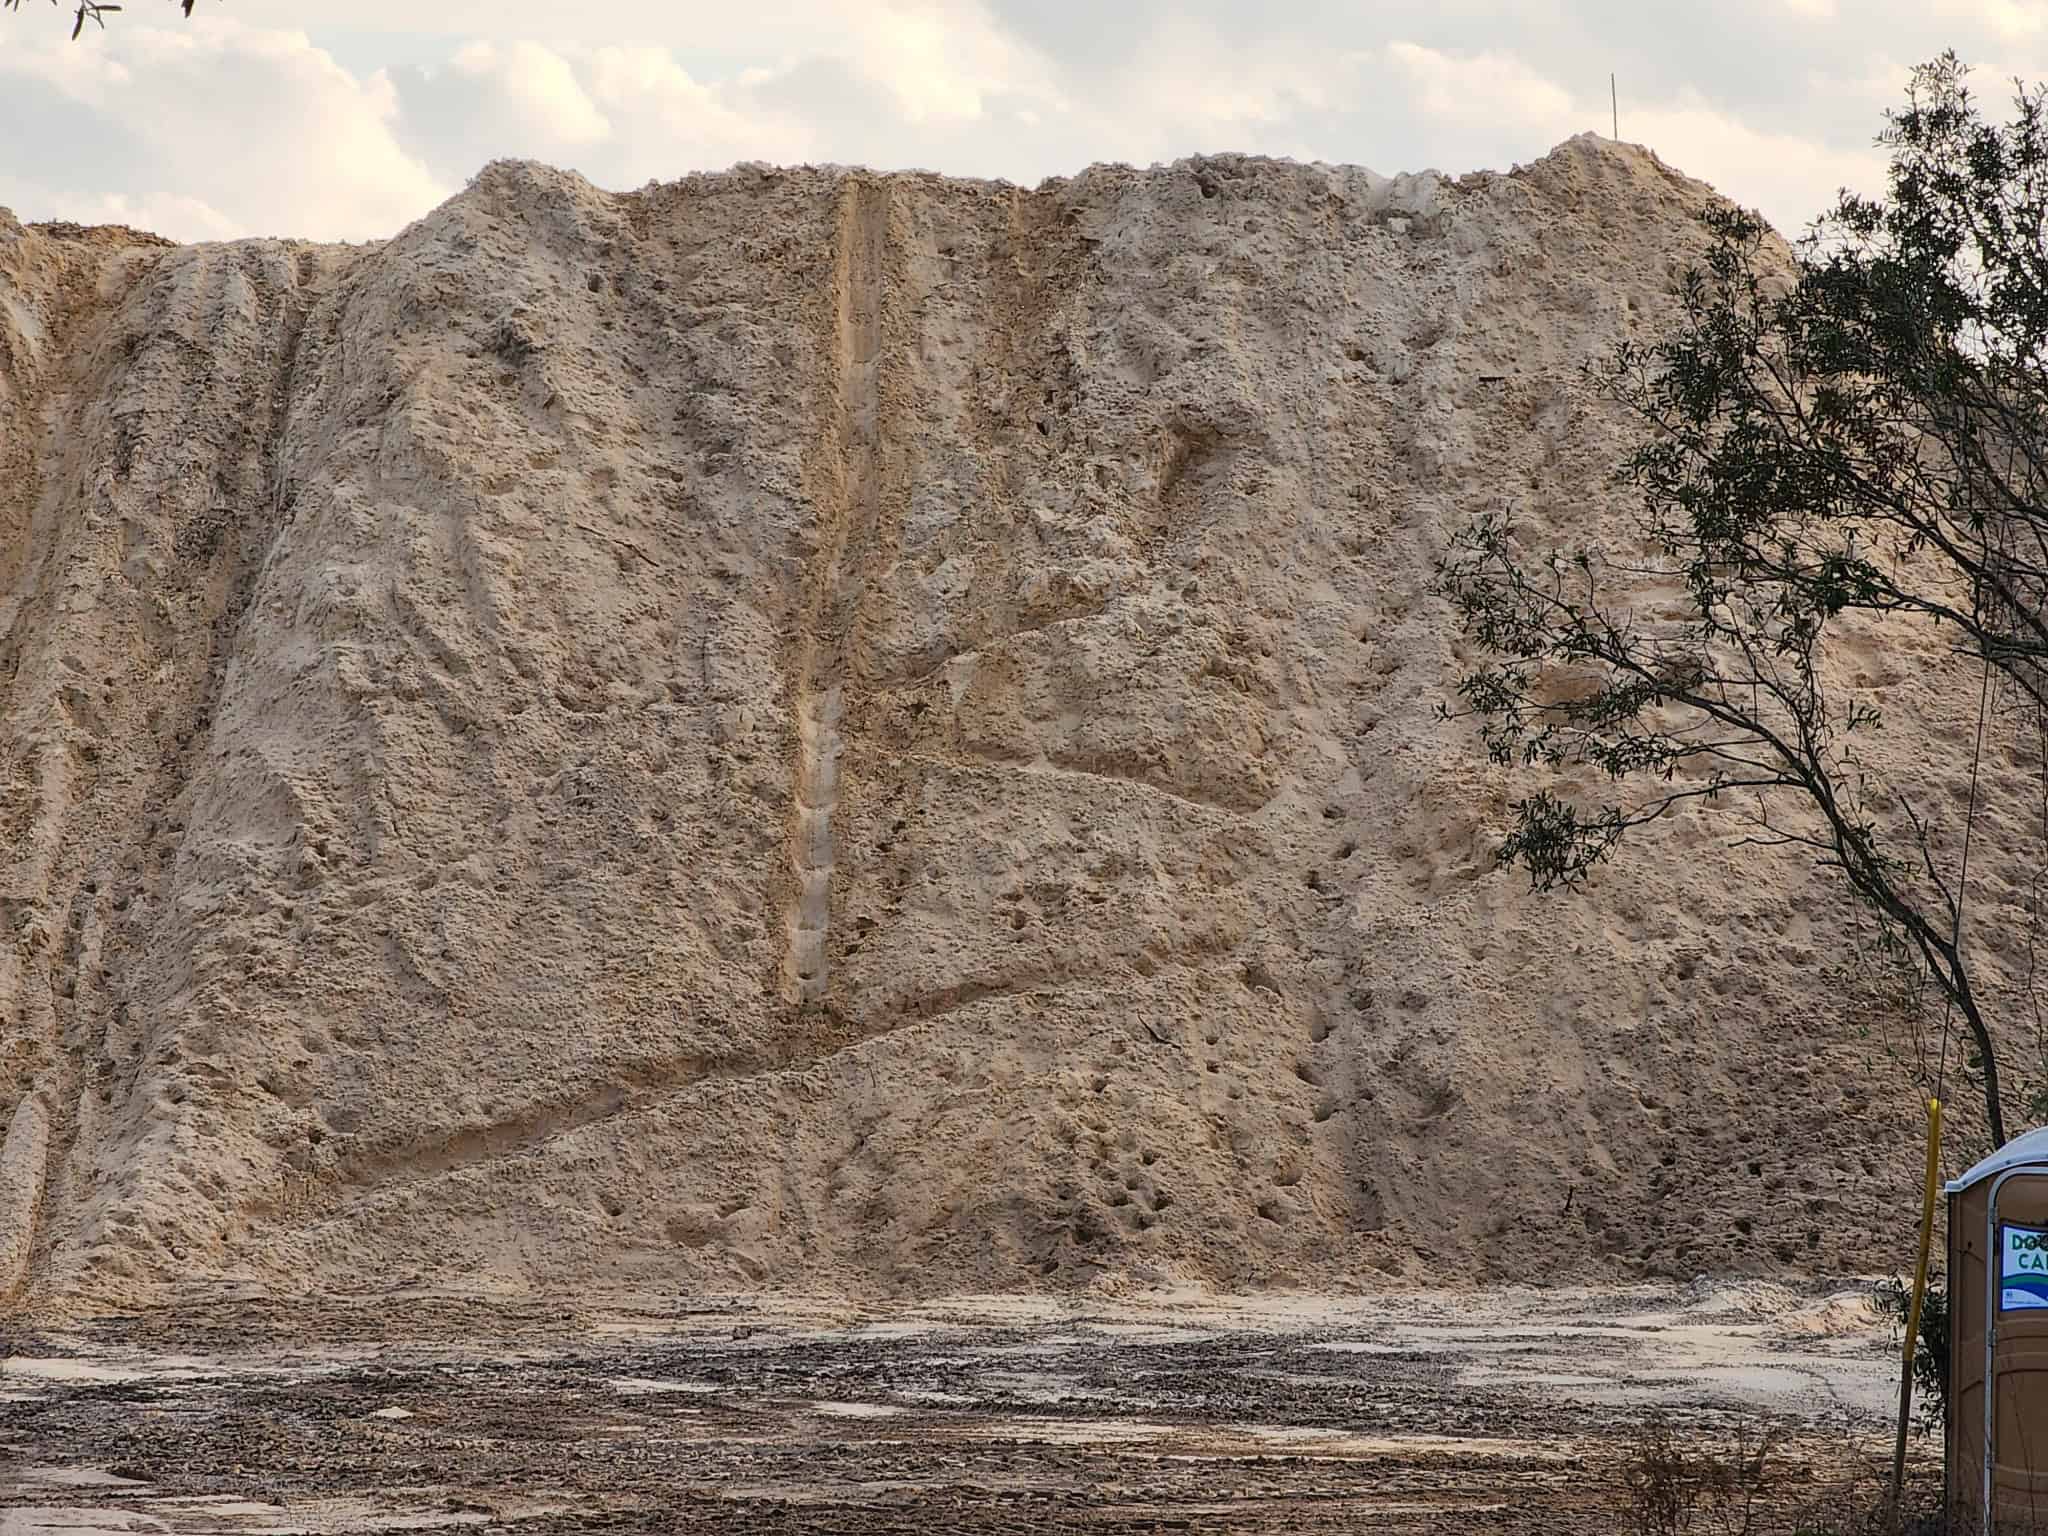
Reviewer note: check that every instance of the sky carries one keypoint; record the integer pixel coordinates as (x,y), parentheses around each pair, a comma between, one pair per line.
(346,119)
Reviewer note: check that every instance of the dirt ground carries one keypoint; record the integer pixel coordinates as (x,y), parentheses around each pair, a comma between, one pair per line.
(1493,1412)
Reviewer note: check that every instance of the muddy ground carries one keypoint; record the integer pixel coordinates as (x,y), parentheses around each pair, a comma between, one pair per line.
(1502,1412)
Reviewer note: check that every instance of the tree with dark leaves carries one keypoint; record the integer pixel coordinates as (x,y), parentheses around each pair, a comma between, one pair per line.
(92,10)
(1856,427)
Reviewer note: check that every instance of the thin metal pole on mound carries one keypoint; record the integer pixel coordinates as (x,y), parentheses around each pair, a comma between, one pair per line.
(1614,101)
(1913,1311)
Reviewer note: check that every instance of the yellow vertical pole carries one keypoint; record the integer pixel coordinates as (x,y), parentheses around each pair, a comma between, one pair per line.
(1919,1300)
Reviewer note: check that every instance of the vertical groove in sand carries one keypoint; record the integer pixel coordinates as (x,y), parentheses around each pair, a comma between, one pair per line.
(36,754)
(24,1158)
(49,989)
(825,644)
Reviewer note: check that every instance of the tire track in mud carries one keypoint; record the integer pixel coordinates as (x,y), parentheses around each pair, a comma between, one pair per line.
(847,519)
(1326,1416)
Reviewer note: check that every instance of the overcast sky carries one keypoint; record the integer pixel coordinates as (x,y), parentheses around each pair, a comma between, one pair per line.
(344,119)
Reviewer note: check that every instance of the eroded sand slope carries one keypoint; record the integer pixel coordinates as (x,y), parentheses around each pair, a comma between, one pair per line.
(814,730)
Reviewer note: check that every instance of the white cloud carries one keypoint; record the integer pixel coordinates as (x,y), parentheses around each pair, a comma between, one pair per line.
(87,75)
(190,218)
(1194,89)
(1204,76)
(1787,178)
(1484,88)
(667,122)
(942,61)
(2011,19)
(212,129)
(218,124)
(538,83)
(766,27)
(193,219)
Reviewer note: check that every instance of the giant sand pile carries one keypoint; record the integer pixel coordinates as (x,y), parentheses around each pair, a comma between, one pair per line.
(872,734)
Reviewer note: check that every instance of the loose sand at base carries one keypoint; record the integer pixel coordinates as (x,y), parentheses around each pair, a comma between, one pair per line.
(1475,1412)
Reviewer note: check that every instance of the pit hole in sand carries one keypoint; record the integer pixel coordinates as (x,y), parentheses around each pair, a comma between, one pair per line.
(1258,978)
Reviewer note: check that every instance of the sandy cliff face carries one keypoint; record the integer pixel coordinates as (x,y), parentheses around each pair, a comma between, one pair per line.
(818,730)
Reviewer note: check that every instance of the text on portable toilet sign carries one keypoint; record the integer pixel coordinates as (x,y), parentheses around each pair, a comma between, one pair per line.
(2023,1268)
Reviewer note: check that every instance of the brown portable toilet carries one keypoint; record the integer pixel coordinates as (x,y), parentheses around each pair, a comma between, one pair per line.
(1998,1341)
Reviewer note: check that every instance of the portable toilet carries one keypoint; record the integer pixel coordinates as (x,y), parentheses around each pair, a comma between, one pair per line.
(1998,1340)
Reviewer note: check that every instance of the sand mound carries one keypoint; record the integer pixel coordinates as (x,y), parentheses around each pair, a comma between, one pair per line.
(812,730)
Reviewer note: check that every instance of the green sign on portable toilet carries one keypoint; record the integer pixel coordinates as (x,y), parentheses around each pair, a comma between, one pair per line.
(1998,1340)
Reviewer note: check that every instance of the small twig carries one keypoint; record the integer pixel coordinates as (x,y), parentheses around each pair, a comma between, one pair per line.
(612,538)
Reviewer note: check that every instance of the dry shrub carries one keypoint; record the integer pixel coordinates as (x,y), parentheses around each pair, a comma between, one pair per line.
(1681,1482)
(1677,1487)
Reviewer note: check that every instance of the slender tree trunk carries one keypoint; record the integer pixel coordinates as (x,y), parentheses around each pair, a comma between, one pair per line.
(1994,1116)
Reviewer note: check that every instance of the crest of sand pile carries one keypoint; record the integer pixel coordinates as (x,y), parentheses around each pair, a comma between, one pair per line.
(859,733)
